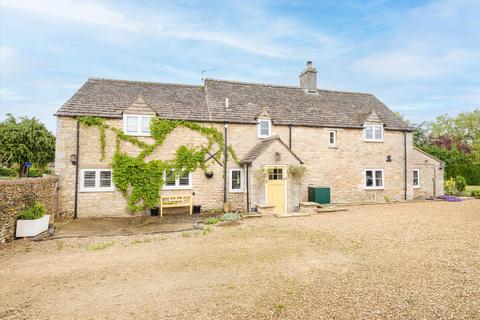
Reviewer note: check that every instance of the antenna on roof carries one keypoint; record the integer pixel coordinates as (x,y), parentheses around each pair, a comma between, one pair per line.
(208,70)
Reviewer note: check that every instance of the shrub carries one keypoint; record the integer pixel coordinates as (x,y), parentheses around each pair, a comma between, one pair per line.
(476,194)
(450,186)
(230,216)
(32,213)
(7,172)
(461,183)
(211,220)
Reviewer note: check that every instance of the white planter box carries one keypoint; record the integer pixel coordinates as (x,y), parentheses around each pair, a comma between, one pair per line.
(30,228)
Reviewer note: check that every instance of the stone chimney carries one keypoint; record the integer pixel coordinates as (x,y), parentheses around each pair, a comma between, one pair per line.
(308,78)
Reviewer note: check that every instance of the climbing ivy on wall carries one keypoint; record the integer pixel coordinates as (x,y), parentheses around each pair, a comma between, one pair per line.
(139,181)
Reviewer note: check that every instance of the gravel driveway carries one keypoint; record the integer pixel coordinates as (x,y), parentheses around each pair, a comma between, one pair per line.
(395,261)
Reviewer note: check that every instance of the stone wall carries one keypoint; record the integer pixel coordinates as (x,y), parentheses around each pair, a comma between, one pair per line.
(340,167)
(431,175)
(16,194)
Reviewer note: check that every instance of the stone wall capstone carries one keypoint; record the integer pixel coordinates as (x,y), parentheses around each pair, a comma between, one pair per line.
(16,194)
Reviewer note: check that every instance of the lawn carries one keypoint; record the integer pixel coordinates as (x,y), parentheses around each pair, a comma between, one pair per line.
(472,188)
(394,261)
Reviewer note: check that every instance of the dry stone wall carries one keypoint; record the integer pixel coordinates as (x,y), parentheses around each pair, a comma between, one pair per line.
(16,194)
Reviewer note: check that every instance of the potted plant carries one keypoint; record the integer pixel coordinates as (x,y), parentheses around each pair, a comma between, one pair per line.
(32,221)
(208,174)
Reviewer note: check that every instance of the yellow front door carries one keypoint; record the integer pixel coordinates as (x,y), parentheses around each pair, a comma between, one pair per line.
(275,188)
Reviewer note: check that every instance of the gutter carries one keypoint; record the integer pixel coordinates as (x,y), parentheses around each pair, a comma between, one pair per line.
(75,209)
(290,136)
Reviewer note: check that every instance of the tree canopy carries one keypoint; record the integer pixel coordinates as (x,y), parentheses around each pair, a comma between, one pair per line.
(25,140)
(456,141)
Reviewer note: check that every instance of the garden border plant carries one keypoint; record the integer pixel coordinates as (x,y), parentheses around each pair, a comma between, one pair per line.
(139,181)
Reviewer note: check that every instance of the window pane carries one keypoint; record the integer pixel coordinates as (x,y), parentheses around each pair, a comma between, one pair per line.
(332,137)
(368,133)
(146,124)
(264,128)
(89,179)
(105,179)
(378,133)
(170,178)
(184,179)
(415,178)
(369,178)
(378,178)
(236,180)
(131,124)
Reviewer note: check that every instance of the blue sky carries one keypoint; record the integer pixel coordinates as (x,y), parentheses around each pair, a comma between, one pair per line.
(421,58)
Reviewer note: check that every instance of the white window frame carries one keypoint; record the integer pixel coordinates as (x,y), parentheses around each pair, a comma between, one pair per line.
(259,128)
(373,126)
(139,131)
(417,186)
(241,180)
(334,144)
(177,185)
(97,187)
(374,187)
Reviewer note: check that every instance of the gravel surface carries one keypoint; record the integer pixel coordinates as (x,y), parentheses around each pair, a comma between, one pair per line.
(395,261)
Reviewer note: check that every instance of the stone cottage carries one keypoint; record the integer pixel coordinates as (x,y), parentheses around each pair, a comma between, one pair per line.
(348,142)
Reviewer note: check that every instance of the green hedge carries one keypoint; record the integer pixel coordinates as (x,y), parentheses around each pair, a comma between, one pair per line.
(7,172)
(471,172)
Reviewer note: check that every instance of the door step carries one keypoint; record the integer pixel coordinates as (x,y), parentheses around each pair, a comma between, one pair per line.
(330,209)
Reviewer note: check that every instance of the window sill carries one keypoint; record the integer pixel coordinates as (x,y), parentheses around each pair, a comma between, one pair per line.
(264,137)
(374,188)
(178,188)
(416,187)
(237,191)
(375,141)
(332,147)
(96,190)
(136,134)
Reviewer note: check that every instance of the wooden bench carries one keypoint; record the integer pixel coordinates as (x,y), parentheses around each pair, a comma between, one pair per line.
(175,202)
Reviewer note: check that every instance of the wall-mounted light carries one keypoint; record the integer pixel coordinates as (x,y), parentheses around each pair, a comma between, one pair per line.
(389,158)
(278,156)
(73,159)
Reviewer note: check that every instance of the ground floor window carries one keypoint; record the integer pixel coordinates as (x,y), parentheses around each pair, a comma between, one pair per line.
(174,181)
(236,180)
(96,180)
(416,178)
(374,179)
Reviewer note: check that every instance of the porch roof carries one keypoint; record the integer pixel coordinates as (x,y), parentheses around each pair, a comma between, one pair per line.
(258,149)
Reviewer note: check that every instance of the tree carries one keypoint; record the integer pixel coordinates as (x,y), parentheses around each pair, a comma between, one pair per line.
(26,140)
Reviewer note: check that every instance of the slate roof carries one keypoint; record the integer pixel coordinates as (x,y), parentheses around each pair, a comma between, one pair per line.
(285,104)
(262,146)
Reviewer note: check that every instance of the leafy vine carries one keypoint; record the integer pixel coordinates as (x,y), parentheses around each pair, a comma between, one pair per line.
(140,182)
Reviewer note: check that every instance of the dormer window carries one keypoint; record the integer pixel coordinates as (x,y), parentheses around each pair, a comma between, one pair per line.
(136,125)
(373,133)
(264,128)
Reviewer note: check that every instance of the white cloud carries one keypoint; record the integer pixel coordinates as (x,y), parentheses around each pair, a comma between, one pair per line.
(261,34)
(412,63)
(74,11)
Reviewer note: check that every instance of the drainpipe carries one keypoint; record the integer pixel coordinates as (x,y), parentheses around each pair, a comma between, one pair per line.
(290,136)
(405,164)
(248,189)
(75,213)
(225,151)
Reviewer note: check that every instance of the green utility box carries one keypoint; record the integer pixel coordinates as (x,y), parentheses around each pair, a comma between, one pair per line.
(319,194)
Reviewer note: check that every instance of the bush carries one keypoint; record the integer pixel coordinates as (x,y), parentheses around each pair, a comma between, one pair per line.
(450,186)
(461,183)
(230,216)
(211,220)
(475,193)
(471,172)
(32,213)
(7,172)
